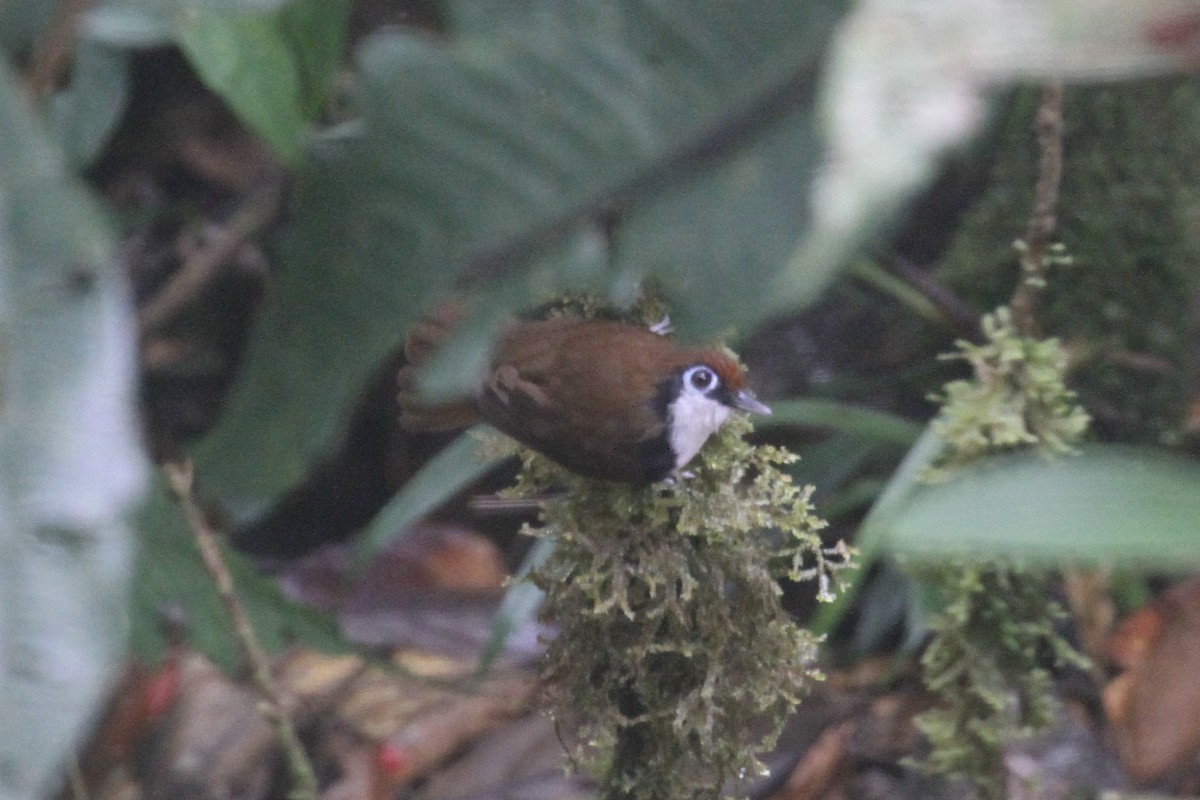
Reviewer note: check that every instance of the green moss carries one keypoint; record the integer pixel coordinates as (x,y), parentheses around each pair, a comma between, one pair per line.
(1124,304)
(674,660)
(1017,397)
(1128,206)
(986,661)
(986,665)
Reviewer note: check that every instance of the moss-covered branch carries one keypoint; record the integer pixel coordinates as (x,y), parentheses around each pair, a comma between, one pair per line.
(674,662)
(986,661)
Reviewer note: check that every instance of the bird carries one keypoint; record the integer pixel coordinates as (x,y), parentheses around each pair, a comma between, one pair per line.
(606,399)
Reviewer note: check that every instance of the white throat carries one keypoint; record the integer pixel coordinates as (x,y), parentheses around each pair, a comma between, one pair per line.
(694,417)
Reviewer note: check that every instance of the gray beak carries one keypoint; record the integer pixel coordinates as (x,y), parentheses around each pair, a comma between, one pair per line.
(746,401)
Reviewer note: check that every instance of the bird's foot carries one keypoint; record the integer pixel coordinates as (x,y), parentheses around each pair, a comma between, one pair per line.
(677,477)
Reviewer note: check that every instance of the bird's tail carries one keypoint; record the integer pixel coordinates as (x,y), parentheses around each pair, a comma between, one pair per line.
(424,339)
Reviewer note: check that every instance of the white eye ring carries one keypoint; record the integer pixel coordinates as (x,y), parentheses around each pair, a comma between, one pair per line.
(701,378)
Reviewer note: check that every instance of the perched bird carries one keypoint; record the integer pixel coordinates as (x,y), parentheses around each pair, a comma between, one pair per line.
(605,399)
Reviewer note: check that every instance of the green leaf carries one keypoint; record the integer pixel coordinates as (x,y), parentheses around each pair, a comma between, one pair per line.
(22,22)
(716,243)
(905,480)
(170,576)
(520,605)
(1109,505)
(445,475)
(71,465)
(274,69)
(891,601)
(862,421)
(244,59)
(315,31)
(85,114)
(130,25)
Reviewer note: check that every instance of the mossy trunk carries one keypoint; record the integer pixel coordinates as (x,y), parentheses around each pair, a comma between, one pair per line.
(1126,305)
(635,746)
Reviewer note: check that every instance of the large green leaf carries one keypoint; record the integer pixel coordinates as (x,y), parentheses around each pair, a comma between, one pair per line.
(274,69)
(717,240)
(484,161)
(272,61)
(70,462)
(245,60)
(1108,505)
(84,114)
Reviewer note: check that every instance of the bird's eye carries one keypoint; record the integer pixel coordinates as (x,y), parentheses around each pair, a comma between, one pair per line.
(702,379)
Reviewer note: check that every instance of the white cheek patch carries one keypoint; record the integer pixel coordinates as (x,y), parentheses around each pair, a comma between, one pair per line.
(694,418)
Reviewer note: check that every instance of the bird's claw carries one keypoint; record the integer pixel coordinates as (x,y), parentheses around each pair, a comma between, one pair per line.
(662,327)
(679,475)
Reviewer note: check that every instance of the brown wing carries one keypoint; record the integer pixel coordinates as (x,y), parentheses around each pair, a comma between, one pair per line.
(582,393)
(417,414)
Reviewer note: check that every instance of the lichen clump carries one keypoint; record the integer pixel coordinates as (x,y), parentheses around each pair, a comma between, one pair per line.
(986,661)
(674,663)
(1017,397)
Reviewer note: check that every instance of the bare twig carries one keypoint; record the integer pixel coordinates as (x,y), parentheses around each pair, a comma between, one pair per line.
(1089,597)
(1044,217)
(52,51)
(495,505)
(257,211)
(1086,590)
(303,779)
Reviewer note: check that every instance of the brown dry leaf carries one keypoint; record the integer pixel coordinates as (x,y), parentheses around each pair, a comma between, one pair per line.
(814,776)
(376,727)
(865,673)
(522,760)
(435,590)
(1178,33)
(1191,416)
(214,744)
(431,558)
(137,705)
(430,664)
(139,702)
(1115,697)
(1133,638)
(358,769)
(887,732)
(1089,596)
(313,681)
(465,561)
(1155,705)
(422,723)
